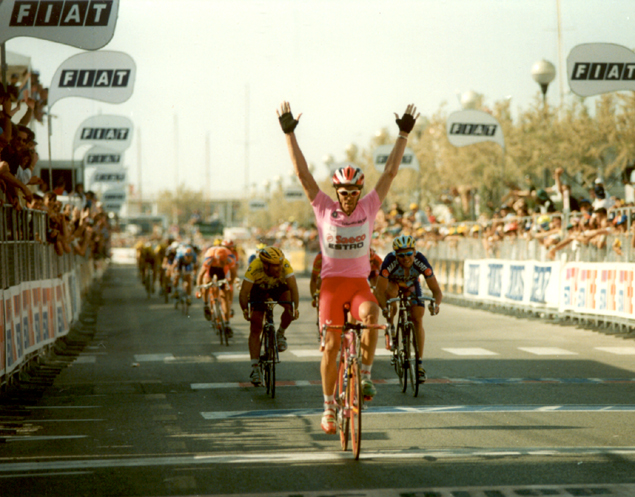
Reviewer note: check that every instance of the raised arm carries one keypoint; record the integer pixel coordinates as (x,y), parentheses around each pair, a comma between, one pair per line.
(288,124)
(406,123)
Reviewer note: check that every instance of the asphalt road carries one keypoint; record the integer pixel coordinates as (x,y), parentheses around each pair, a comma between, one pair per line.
(146,402)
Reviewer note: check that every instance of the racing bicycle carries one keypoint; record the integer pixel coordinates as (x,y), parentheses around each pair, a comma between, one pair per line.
(218,322)
(268,346)
(348,388)
(405,341)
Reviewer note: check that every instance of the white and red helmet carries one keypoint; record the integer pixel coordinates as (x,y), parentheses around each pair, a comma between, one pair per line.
(348,175)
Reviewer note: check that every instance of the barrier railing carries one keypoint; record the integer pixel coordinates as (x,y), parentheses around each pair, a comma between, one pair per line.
(40,293)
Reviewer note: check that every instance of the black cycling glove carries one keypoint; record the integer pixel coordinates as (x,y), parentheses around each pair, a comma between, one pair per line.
(406,123)
(287,122)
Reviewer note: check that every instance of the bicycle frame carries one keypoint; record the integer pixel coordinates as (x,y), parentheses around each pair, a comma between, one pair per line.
(218,320)
(269,356)
(409,339)
(348,389)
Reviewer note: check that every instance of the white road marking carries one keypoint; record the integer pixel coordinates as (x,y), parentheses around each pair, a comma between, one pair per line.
(307,353)
(618,350)
(86,359)
(304,456)
(547,351)
(212,386)
(153,357)
(470,351)
(286,413)
(231,356)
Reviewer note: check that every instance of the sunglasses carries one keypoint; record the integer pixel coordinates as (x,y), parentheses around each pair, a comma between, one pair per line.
(346,193)
(405,254)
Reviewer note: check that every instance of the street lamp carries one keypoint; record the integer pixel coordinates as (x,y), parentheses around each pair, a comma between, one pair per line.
(469,100)
(543,73)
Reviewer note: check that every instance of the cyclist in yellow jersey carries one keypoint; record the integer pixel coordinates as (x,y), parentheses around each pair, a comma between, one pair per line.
(269,276)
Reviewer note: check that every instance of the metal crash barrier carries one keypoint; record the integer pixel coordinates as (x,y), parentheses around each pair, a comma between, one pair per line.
(41,292)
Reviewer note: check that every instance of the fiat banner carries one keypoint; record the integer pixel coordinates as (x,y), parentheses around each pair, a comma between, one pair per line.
(257,205)
(595,68)
(381,154)
(112,175)
(112,132)
(100,156)
(105,76)
(467,127)
(86,24)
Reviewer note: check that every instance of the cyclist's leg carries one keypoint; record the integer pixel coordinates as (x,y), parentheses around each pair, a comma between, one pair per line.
(282,293)
(333,296)
(364,308)
(416,315)
(255,330)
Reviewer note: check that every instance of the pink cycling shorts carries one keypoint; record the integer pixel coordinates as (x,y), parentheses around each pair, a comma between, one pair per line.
(336,291)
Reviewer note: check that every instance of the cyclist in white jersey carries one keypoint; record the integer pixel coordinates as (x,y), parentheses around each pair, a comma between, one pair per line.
(345,228)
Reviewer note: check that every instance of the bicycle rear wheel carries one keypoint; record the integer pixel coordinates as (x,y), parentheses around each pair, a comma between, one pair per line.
(413,369)
(343,420)
(354,401)
(148,283)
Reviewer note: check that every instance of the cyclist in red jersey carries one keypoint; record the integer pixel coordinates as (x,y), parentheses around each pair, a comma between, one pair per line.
(220,262)
(345,229)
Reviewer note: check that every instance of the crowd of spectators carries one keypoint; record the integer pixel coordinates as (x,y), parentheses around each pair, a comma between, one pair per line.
(78,224)
(553,217)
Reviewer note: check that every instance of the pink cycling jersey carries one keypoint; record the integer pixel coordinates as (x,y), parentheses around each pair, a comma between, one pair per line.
(345,240)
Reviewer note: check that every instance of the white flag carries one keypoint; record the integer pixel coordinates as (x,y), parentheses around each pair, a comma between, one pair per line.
(106,76)
(86,24)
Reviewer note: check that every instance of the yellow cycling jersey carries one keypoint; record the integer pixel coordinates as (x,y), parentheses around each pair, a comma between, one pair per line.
(256,274)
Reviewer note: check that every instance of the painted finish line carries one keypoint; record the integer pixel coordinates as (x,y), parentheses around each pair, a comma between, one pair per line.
(286,413)
(275,457)
(434,381)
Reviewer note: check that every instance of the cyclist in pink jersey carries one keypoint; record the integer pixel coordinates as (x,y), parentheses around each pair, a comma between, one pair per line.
(345,227)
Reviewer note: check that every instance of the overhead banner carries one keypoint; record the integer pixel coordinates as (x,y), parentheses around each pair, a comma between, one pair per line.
(257,205)
(100,156)
(109,174)
(293,193)
(467,127)
(112,132)
(86,24)
(114,196)
(595,68)
(381,154)
(104,75)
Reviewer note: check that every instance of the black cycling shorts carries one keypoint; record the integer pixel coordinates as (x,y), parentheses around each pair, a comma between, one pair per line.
(259,294)
(218,271)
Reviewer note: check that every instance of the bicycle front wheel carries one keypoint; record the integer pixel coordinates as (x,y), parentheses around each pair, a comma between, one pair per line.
(404,357)
(354,401)
(413,370)
(270,361)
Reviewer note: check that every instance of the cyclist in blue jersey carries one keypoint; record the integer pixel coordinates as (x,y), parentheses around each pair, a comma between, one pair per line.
(401,270)
(184,265)
(259,247)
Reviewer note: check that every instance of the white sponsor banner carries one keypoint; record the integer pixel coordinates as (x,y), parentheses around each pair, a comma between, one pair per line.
(113,175)
(594,68)
(600,288)
(467,127)
(293,193)
(112,207)
(381,154)
(86,24)
(257,205)
(101,156)
(114,196)
(530,283)
(112,132)
(103,75)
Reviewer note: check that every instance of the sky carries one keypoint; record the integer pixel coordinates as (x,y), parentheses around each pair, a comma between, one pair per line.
(217,70)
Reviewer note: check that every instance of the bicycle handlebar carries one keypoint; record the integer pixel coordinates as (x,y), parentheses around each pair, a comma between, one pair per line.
(217,283)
